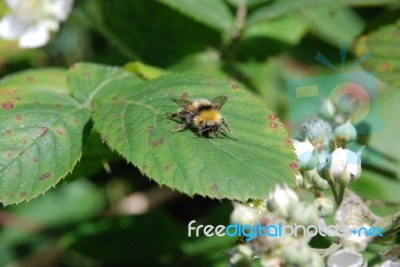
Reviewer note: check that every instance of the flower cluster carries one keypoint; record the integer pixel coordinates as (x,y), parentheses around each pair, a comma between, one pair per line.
(325,162)
(31,21)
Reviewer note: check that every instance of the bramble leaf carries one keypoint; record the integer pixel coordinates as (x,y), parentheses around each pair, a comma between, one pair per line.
(42,132)
(132,120)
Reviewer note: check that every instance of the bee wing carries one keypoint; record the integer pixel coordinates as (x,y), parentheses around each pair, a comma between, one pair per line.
(182,102)
(219,101)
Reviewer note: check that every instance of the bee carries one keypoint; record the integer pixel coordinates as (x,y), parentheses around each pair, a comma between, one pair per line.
(202,115)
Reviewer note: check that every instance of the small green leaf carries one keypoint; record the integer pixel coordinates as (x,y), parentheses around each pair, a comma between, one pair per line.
(213,13)
(86,80)
(41,135)
(147,72)
(133,121)
(385,48)
(280,8)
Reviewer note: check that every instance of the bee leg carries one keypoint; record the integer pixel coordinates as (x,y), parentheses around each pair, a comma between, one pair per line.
(181,128)
(229,129)
(201,131)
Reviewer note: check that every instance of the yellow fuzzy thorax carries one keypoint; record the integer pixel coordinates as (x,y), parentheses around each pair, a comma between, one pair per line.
(208,116)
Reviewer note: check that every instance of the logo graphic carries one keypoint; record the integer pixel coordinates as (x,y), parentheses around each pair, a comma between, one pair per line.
(353,93)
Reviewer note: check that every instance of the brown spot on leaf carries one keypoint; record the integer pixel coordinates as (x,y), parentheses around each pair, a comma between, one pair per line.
(157,142)
(24,194)
(43,130)
(17,98)
(8,105)
(18,117)
(272,116)
(273,125)
(21,152)
(30,79)
(25,140)
(60,131)
(9,131)
(293,166)
(150,129)
(58,106)
(167,168)
(8,153)
(170,93)
(44,176)
(288,141)
(234,86)
(75,120)
(145,167)
(184,95)
(35,160)
(214,188)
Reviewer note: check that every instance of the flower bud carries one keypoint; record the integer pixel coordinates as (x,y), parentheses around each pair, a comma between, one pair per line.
(312,177)
(318,132)
(306,154)
(243,214)
(345,132)
(344,166)
(324,205)
(346,258)
(281,201)
(304,214)
(327,109)
(240,256)
(299,179)
(300,254)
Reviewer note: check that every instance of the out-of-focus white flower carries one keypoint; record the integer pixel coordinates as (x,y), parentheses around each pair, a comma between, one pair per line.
(358,243)
(344,166)
(243,214)
(346,258)
(282,201)
(31,21)
(240,256)
(298,253)
(306,154)
(389,263)
(319,132)
(324,205)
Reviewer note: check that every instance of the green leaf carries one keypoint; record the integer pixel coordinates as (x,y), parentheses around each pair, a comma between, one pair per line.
(332,24)
(42,135)
(213,13)
(280,8)
(50,79)
(289,29)
(384,45)
(147,72)
(133,121)
(87,80)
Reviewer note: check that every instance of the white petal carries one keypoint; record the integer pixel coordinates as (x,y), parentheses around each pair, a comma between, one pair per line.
(62,8)
(12,4)
(11,27)
(35,36)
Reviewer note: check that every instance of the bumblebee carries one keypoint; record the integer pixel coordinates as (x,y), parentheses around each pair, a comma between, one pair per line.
(202,115)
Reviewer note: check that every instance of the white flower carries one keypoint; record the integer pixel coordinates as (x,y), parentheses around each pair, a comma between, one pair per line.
(346,258)
(344,166)
(306,154)
(243,214)
(282,201)
(32,20)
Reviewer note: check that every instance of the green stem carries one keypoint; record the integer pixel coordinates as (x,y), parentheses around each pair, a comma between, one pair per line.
(116,41)
(334,192)
(341,195)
